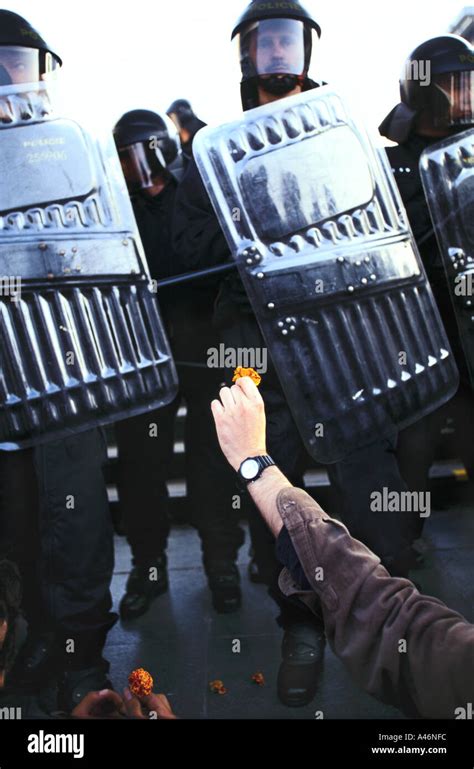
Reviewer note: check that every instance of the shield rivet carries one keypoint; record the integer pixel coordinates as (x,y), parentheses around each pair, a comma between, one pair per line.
(292,328)
(280,324)
(367,259)
(358,263)
(340,259)
(271,306)
(373,277)
(42,246)
(62,253)
(285,332)
(350,289)
(364,281)
(249,261)
(260,275)
(124,242)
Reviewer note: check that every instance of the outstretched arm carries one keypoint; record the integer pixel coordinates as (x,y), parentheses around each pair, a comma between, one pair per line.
(240,422)
(405,648)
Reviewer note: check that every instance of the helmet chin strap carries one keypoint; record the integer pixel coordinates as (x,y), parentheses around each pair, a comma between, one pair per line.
(281,85)
(278,85)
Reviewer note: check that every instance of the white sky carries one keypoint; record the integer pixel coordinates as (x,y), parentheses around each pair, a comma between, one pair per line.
(146,53)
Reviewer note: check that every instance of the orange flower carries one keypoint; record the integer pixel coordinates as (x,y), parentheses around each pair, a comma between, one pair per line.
(241,372)
(140,683)
(258,678)
(217,687)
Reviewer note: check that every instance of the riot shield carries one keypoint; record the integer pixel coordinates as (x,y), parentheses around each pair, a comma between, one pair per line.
(312,215)
(447,172)
(81,338)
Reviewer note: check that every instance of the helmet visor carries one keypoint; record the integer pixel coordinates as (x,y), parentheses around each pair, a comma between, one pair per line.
(141,165)
(272,47)
(25,65)
(453,99)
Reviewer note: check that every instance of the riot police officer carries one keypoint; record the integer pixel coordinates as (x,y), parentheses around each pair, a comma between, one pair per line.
(54,517)
(148,153)
(275,45)
(187,124)
(436,89)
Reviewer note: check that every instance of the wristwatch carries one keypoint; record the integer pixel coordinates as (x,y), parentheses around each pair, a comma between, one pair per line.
(251,469)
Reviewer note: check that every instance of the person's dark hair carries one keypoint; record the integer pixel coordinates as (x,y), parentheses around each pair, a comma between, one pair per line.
(10,599)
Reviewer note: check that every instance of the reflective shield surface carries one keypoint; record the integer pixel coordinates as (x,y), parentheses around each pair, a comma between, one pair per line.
(447,172)
(82,342)
(315,222)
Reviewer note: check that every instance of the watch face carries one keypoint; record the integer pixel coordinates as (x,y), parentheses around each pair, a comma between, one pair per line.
(250,469)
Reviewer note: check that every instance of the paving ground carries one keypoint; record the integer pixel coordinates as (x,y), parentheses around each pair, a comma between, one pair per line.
(185,644)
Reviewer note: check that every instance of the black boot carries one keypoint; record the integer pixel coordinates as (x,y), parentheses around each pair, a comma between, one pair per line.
(254,572)
(300,670)
(143,585)
(224,583)
(261,574)
(73,685)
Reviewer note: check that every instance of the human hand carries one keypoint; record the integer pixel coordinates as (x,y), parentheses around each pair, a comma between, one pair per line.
(239,417)
(149,707)
(103,704)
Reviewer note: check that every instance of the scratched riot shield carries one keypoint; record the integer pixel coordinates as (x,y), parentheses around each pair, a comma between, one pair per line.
(447,172)
(312,215)
(81,339)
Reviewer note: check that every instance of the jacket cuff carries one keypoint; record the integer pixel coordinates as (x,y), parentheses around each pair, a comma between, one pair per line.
(332,560)
(296,507)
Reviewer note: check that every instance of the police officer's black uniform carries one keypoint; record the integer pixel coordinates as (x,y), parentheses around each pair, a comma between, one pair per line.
(200,243)
(55,525)
(144,461)
(447,54)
